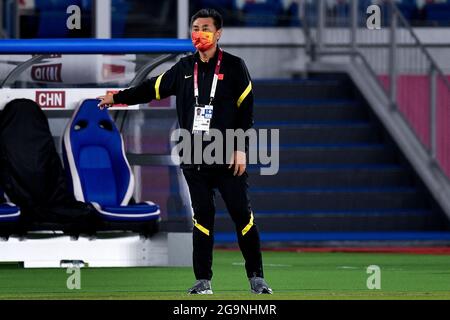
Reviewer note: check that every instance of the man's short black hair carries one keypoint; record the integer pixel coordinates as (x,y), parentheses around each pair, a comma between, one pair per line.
(209,13)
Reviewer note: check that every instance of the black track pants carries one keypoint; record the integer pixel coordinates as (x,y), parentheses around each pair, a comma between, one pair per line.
(201,183)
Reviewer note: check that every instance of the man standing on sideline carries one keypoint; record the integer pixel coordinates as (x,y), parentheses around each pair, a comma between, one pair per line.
(218,84)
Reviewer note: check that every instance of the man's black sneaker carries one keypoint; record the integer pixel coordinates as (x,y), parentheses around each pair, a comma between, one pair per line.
(259,286)
(201,287)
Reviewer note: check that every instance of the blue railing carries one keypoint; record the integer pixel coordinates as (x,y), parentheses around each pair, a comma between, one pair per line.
(94,46)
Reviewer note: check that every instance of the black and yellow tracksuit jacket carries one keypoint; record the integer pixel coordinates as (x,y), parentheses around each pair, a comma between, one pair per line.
(233,102)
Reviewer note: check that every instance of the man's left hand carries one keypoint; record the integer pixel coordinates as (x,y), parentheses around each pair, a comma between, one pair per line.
(238,160)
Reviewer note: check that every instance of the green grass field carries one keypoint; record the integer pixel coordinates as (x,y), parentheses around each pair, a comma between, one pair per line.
(291,275)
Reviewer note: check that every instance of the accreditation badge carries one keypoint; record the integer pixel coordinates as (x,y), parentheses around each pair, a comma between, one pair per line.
(202,118)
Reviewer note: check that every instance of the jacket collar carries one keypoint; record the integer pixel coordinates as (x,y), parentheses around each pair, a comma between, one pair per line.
(211,61)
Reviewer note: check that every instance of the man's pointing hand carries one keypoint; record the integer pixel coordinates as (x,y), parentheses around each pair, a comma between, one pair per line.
(106,101)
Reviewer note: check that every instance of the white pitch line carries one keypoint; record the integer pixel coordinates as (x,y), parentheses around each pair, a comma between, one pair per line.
(265,264)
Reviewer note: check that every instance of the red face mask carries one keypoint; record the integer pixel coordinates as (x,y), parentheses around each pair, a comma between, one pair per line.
(202,40)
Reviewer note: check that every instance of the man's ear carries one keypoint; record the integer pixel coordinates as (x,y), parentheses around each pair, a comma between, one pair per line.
(219,34)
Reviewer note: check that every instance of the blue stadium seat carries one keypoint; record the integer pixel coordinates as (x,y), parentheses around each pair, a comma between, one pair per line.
(217,4)
(53,17)
(342,10)
(98,170)
(438,14)
(293,12)
(52,24)
(119,12)
(57,4)
(264,14)
(408,8)
(9,212)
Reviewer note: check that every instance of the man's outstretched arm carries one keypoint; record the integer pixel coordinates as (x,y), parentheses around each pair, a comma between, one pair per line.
(158,87)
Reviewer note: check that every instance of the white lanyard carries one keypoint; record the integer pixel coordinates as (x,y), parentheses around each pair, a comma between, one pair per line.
(214,83)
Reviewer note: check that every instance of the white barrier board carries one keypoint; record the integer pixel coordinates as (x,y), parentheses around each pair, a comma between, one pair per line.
(131,250)
(59,99)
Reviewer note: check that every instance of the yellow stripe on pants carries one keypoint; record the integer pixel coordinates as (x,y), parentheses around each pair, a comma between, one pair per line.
(249,225)
(200,227)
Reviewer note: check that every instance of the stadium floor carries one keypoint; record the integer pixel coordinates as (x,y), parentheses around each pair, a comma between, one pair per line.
(292,275)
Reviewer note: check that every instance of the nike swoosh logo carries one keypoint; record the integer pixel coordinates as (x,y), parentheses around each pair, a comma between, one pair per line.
(187,77)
